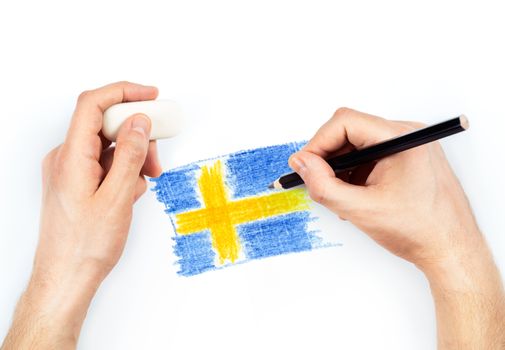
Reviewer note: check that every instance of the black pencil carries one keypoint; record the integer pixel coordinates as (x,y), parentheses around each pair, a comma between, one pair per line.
(348,161)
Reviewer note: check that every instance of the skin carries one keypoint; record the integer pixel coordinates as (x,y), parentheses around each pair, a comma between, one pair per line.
(89,189)
(410,203)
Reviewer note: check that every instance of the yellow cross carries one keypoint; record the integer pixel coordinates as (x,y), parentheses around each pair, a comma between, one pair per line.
(220,215)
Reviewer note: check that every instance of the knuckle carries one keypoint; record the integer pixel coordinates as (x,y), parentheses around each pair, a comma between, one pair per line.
(411,126)
(401,128)
(291,159)
(84,96)
(62,158)
(341,112)
(406,128)
(123,83)
(318,192)
(48,160)
(47,164)
(59,166)
(418,125)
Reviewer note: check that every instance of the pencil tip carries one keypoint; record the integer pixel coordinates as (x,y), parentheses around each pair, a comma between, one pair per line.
(276,185)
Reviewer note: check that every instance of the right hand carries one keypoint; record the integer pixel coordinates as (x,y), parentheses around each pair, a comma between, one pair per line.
(411,203)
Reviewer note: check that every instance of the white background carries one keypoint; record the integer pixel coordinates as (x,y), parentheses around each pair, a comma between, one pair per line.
(250,74)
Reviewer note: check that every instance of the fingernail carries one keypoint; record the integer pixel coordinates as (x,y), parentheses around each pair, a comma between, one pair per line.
(141,124)
(298,165)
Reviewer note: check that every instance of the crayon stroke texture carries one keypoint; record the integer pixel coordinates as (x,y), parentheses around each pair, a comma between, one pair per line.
(223,212)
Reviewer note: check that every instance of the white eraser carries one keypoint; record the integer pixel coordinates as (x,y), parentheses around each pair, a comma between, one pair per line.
(165,115)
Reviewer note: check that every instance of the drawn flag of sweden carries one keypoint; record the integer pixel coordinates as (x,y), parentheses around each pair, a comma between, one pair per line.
(223,212)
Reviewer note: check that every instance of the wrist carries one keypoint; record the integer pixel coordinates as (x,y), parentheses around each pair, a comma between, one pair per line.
(468,296)
(467,268)
(59,300)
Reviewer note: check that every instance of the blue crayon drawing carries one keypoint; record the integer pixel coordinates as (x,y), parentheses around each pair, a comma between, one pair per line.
(223,212)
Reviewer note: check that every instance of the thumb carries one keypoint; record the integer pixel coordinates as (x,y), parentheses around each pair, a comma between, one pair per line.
(324,187)
(129,156)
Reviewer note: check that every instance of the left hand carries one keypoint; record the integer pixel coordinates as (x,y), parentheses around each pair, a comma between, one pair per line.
(89,190)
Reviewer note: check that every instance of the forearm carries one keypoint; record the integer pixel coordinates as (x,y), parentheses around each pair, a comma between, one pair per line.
(469,300)
(49,315)
(32,329)
(88,191)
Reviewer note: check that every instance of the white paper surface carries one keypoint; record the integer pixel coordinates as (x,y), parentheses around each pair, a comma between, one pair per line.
(250,75)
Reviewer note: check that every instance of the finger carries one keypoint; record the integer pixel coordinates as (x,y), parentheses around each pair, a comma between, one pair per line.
(323,186)
(88,115)
(140,187)
(414,125)
(357,176)
(344,175)
(346,148)
(347,125)
(129,156)
(152,167)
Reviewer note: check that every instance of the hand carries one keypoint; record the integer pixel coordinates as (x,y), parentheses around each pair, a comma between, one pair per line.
(89,190)
(412,204)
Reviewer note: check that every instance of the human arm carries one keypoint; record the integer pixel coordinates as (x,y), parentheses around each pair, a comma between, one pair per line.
(412,204)
(89,190)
